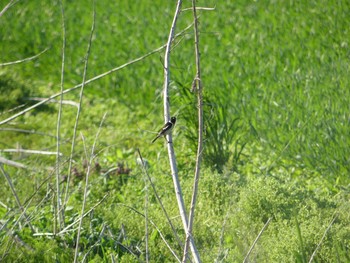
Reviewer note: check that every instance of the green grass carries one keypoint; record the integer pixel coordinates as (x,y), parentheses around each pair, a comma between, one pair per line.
(276,83)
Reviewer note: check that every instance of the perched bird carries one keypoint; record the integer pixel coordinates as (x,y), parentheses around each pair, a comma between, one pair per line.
(166,128)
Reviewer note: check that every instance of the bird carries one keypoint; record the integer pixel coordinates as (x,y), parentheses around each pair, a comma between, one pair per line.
(166,129)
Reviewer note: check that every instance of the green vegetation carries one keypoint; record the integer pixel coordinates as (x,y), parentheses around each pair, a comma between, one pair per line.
(277,118)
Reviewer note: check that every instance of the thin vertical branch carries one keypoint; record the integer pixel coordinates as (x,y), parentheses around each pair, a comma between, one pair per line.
(87,175)
(75,129)
(197,86)
(60,212)
(91,157)
(167,64)
(82,85)
(146,221)
(171,153)
(145,208)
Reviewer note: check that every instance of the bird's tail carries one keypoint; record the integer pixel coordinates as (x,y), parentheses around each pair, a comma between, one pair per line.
(155,139)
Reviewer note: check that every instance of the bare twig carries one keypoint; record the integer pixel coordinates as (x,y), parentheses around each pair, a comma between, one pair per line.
(23,60)
(323,237)
(60,212)
(159,200)
(9,181)
(256,240)
(67,228)
(171,153)
(23,214)
(29,151)
(84,199)
(15,237)
(156,227)
(198,84)
(167,66)
(74,136)
(90,158)
(63,102)
(11,3)
(13,109)
(12,163)
(81,94)
(146,205)
(200,8)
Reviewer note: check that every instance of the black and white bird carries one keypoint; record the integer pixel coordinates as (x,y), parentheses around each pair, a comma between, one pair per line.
(166,129)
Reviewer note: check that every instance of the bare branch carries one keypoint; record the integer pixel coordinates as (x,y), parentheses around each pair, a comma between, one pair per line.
(171,152)
(197,85)
(67,228)
(74,135)
(10,4)
(200,8)
(158,230)
(63,102)
(6,7)
(30,151)
(9,181)
(145,177)
(23,60)
(256,240)
(14,236)
(60,214)
(12,163)
(323,237)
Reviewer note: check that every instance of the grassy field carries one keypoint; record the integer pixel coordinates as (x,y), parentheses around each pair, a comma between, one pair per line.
(277,119)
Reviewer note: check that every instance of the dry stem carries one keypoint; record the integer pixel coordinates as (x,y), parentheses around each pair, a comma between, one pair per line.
(60,213)
(74,137)
(256,240)
(198,84)
(323,237)
(171,153)
(160,202)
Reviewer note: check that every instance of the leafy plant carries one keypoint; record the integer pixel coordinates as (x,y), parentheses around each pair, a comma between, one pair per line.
(222,131)
(222,138)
